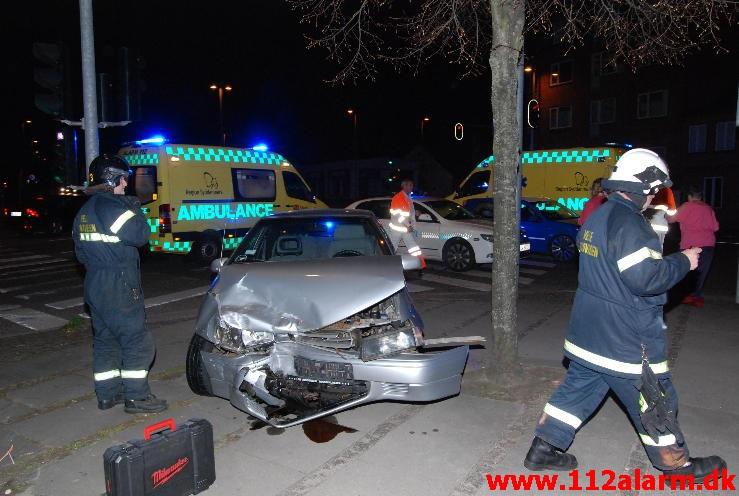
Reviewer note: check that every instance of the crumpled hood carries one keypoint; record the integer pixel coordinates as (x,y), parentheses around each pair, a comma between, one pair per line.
(304,296)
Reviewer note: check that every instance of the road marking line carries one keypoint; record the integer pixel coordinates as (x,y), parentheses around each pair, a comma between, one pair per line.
(172,297)
(28,257)
(460,283)
(43,272)
(532,272)
(534,263)
(37,284)
(64,304)
(32,319)
(35,262)
(417,288)
(46,292)
(150,302)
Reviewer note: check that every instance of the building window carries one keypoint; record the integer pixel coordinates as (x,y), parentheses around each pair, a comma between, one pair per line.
(602,64)
(713,191)
(561,73)
(725,136)
(603,111)
(560,117)
(697,138)
(652,104)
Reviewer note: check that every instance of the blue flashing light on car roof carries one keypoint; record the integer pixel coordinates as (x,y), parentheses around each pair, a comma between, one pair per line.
(261,147)
(329,224)
(154,140)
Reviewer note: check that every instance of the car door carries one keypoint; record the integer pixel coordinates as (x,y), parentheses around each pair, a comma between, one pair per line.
(427,227)
(533,224)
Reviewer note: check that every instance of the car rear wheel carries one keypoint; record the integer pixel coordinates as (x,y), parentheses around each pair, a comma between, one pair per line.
(197,377)
(563,248)
(458,256)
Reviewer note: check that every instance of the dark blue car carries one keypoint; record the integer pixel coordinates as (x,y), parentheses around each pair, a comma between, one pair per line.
(551,227)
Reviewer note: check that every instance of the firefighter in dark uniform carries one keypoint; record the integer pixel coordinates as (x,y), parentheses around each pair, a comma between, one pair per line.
(616,324)
(107,232)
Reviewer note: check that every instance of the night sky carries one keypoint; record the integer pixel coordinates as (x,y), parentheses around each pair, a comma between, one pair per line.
(280,95)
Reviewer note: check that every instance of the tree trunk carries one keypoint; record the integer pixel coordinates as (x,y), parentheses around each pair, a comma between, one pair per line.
(507,47)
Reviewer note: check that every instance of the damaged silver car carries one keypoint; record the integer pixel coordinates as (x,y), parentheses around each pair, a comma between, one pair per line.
(311,316)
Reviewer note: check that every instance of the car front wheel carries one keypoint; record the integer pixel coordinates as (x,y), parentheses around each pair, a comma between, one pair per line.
(197,377)
(563,248)
(459,256)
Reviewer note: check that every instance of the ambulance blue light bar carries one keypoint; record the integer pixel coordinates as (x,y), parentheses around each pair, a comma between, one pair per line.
(261,147)
(154,140)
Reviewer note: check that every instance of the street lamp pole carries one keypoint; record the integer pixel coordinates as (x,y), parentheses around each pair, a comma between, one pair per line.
(355,141)
(423,124)
(220,90)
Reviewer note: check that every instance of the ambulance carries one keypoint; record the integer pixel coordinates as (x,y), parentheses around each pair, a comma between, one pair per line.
(563,175)
(203,199)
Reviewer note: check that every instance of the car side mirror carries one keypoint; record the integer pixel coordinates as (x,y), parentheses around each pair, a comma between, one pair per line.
(410,262)
(425,218)
(217,264)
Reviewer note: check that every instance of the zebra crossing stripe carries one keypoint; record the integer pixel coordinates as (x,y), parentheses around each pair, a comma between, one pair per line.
(32,319)
(536,263)
(532,272)
(27,257)
(34,262)
(150,302)
(417,288)
(460,283)
(64,304)
(37,284)
(31,273)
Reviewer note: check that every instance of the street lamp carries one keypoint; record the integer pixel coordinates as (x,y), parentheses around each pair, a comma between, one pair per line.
(423,125)
(220,90)
(354,116)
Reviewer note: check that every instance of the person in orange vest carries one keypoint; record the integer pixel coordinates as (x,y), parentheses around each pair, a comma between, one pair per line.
(403,221)
(662,206)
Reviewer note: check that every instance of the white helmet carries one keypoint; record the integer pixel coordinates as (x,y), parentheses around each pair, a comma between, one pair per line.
(639,171)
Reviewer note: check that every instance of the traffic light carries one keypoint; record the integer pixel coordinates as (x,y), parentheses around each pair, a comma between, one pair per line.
(48,73)
(533,113)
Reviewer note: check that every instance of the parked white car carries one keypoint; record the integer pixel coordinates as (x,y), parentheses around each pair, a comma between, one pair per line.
(446,231)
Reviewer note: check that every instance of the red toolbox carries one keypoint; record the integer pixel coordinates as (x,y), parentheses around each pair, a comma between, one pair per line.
(170,461)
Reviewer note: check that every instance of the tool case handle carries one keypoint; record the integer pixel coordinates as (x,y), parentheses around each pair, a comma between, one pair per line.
(158,427)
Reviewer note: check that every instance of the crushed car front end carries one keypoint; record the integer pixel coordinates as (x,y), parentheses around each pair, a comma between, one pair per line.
(290,342)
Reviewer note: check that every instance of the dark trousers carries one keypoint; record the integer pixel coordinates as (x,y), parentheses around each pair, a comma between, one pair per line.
(123,348)
(704,266)
(579,396)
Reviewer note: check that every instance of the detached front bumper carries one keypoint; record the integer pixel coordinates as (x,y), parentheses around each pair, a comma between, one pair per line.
(405,377)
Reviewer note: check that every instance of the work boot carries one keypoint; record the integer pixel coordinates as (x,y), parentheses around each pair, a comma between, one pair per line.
(544,456)
(150,404)
(699,468)
(698,302)
(108,404)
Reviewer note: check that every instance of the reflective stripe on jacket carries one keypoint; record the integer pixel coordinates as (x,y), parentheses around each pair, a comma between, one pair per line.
(622,285)
(401,212)
(107,232)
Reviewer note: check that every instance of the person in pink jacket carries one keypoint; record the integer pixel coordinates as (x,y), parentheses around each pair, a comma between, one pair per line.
(698,226)
(597,198)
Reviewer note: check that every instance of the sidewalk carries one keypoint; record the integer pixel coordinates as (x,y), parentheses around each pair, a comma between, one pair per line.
(444,448)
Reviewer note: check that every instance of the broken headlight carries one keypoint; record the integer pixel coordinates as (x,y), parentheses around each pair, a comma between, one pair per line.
(388,343)
(237,340)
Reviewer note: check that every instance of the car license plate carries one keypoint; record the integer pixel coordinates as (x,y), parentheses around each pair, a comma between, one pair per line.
(525,246)
(15,214)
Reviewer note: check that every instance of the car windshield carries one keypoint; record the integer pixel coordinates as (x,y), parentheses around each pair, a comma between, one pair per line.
(450,210)
(555,211)
(312,238)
